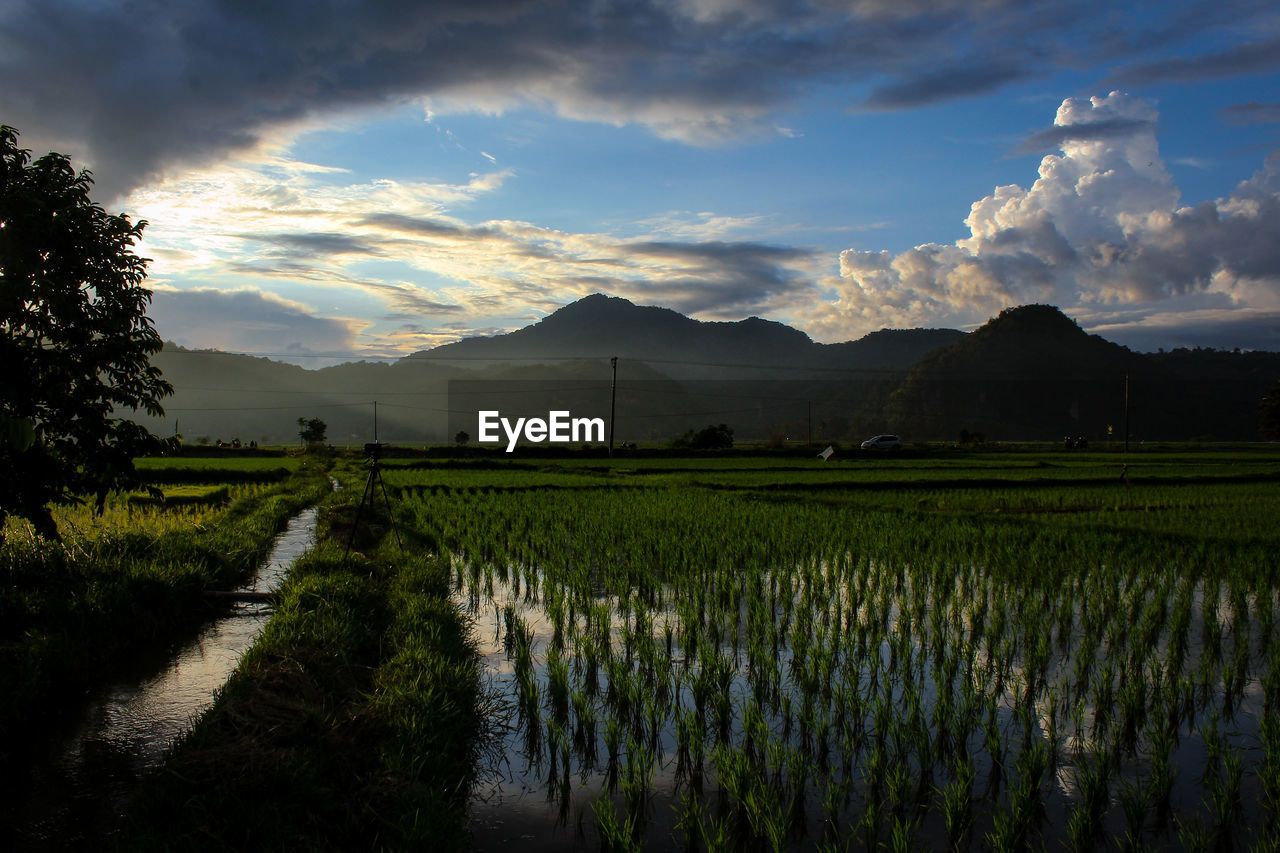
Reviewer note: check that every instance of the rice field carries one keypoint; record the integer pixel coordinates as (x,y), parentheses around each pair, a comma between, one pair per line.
(993,651)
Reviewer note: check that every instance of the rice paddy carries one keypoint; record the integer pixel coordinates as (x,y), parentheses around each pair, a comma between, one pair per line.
(993,652)
(936,649)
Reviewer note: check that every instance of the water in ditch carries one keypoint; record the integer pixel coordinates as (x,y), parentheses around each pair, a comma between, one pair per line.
(84,784)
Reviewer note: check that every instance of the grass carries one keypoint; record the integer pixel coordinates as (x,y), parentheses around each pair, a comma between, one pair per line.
(352,723)
(127,579)
(230,469)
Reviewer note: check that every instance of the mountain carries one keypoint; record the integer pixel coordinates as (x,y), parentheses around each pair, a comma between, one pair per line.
(766,378)
(1029,373)
(600,326)
(1032,372)
(226,396)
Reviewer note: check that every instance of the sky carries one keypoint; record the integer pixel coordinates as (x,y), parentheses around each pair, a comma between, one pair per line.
(344,180)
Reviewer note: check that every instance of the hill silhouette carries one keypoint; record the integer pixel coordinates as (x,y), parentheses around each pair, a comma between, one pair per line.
(1032,371)
(599,326)
(1029,373)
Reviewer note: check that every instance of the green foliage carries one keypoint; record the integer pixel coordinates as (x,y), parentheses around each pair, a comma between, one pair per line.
(1269,413)
(710,437)
(351,723)
(312,431)
(75,340)
(120,580)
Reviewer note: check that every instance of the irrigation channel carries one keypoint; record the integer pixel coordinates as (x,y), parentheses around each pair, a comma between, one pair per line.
(86,781)
(619,730)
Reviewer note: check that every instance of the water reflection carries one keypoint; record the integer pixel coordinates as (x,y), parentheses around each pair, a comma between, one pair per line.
(859,740)
(85,785)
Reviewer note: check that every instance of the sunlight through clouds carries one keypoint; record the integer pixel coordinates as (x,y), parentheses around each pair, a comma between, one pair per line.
(400,246)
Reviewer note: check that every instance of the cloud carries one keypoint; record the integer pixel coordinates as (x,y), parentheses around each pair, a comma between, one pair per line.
(247,320)
(1246,329)
(972,77)
(1252,113)
(1100,230)
(285,246)
(395,253)
(146,89)
(1250,58)
(1059,135)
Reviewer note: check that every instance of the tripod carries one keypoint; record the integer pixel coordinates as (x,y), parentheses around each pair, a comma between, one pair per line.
(373,452)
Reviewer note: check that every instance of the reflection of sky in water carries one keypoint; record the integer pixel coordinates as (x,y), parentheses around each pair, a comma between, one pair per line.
(515,804)
(148,716)
(127,725)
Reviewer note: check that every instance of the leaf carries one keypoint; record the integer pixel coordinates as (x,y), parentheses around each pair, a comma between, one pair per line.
(18,433)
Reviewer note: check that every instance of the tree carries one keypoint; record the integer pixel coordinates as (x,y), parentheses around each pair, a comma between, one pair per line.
(312,431)
(1269,412)
(462,437)
(75,341)
(708,438)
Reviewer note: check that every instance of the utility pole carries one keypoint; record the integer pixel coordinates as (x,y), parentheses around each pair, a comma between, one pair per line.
(613,399)
(1126,413)
(375,421)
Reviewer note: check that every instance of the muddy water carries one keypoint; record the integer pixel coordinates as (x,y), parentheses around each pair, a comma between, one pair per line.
(86,782)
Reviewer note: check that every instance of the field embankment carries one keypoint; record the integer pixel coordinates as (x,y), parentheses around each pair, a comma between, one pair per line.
(350,724)
(132,577)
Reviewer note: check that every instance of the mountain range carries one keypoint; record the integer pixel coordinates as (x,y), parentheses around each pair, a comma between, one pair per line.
(600,326)
(1030,373)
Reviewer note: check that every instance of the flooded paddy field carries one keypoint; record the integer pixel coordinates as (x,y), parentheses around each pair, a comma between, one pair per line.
(938,649)
(730,658)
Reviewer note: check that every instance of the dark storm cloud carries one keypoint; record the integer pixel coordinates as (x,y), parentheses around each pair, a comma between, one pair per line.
(1055,137)
(1252,113)
(945,84)
(1258,330)
(150,85)
(1250,58)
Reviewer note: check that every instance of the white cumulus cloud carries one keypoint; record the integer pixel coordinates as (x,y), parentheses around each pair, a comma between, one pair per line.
(1100,229)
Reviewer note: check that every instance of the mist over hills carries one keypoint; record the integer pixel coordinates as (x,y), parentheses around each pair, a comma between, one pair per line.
(1030,373)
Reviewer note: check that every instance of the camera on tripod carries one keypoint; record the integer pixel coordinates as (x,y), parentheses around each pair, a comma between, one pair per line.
(373,450)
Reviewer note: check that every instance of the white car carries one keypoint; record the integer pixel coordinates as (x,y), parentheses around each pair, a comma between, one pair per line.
(882,442)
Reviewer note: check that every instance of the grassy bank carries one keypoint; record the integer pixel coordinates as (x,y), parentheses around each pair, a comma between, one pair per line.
(128,579)
(350,724)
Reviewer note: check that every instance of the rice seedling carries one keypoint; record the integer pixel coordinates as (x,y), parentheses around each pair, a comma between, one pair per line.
(902,643)
(1134,804)
(957,805)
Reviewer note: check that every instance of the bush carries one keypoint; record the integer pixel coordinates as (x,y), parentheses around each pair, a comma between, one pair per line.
(708,438)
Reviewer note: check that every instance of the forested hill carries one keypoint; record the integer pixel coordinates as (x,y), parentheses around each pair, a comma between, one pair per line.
(1029,374)
(1032,371)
